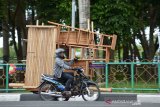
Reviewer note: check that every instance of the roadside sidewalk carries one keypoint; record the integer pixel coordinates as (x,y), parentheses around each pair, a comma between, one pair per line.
(147,98)
(9,97)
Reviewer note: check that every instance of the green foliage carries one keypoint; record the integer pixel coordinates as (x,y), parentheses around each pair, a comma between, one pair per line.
(143,12)
(1,9)
(126,18)
(113,16)
(2,12)
(12,52)
(54,10)
(1,52)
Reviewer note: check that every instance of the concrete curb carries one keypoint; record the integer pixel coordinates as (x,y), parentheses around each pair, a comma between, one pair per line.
(10,97)
(149,98)
(142,98)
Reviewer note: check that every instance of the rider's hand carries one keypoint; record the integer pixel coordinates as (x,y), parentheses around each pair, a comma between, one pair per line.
(73,68)
(75,59)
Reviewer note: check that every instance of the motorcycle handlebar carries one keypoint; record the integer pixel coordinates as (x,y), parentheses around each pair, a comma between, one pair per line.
(76,68)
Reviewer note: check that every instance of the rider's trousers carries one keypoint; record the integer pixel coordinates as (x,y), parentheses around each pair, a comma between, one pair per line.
(69,80)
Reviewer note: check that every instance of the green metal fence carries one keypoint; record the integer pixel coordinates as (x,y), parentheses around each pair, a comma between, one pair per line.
(132,76)
(5,78)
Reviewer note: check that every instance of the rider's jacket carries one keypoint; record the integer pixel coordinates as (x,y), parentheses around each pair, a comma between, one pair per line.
(60,65)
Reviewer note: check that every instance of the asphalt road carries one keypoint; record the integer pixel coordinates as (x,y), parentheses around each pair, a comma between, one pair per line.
(74,104)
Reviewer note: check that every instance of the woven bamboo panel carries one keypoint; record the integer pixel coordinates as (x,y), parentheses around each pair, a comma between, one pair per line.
(40,53)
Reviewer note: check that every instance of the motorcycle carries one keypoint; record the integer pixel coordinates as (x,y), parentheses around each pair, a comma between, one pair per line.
(53,89)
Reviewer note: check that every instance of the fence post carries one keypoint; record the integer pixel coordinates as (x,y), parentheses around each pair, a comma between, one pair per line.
(7,79)
(106,75)
(159,76)
(132,76)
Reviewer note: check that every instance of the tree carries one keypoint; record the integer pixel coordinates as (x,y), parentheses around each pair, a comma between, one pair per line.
(5,29)
(114,17)
(20,23)
(128,19)
(54,10)
(84,13)
(147,15)
(13,19)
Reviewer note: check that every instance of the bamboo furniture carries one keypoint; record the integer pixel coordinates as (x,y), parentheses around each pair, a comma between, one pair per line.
(43,40)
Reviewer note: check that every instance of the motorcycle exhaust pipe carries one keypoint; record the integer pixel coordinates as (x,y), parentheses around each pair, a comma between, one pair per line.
(53,94)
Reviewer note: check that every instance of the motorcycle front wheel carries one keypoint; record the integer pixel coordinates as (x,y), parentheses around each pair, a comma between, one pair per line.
(91,93)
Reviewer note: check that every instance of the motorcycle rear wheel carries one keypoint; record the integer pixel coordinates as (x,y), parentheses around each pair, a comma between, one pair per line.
(46,90)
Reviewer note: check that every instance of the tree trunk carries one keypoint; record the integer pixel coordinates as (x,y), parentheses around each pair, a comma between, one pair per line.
(5,41)
(131,51)
(20,53)
(119,51)
(149,46)
(13,39)
(33,12)
(144,43)
(125,53)
(136,50)
(84,13)
(153,19)
(21,29)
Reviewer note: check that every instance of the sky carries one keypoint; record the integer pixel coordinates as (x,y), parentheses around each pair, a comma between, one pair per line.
(1,39)
(1,42)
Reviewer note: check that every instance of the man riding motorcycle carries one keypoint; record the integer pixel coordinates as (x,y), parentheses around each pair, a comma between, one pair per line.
(60,66)
(52,88)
